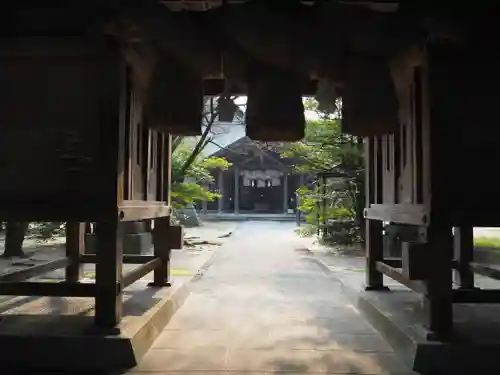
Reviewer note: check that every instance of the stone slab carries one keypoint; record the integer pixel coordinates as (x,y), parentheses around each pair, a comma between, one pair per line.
(397,315)
(53,333)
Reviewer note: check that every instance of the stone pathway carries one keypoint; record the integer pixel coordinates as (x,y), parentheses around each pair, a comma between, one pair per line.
(264,307)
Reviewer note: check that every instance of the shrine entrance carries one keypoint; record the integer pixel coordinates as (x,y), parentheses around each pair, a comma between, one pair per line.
(262,191)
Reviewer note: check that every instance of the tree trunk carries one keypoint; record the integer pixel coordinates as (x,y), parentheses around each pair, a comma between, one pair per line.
(14,238)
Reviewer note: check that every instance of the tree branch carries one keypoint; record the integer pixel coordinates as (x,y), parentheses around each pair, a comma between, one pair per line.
(202,142)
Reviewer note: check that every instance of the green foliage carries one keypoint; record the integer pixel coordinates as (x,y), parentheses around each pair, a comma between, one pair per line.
(306,231)
(191,186)
(324,148)
(489,242)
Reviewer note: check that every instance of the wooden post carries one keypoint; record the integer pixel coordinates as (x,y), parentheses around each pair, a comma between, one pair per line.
(220,202)
(374,237)
(438,304)
(108,305)
(463,245)
(75,246)
(113,89)
(167,169)
(437,162)
(161,232)
(236,190)
(285,192)
(162,250)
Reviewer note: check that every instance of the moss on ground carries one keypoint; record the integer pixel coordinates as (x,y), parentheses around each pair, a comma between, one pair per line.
(491,242)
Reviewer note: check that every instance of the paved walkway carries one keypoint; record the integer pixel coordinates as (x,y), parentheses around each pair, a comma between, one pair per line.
(264,307)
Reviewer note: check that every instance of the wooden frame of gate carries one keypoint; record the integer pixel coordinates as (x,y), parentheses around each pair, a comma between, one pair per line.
(414,178)
(81,154)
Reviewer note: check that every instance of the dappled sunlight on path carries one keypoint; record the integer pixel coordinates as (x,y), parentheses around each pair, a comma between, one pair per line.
(263,307)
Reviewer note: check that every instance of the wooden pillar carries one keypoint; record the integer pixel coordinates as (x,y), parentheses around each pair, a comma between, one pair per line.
(113,94)
(463,245)
(108,304)
(437,155)
(161,231)
(75,246)
(374,238)
(220,182)
(438,303)
(162,249)
(285,192)
(236,190)
(167,169)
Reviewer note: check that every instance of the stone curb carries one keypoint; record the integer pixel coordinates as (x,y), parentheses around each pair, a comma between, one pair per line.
(107,353)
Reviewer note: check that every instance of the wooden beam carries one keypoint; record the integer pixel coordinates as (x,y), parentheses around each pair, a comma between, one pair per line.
(28,273)
(56,208)
(60,289)
(476,295)
(397,275)
(142,210)
(485,270)
(414,214)
(141,271)
(127,259)
(215,86)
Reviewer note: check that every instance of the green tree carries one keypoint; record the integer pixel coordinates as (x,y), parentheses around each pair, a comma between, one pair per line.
(324,149)
(191,172)
(191,184)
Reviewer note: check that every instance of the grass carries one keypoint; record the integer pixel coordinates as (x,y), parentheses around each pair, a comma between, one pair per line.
(491,242)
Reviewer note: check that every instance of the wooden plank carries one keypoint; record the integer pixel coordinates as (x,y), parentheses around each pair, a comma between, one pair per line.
(414,214)
(59,157)
(142,210)
(40,269)
(397,275)
(60,289)
(393,262)
(141,271)
(485,270)
(213,86)
(127,259)
(476,295)
(75,246)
